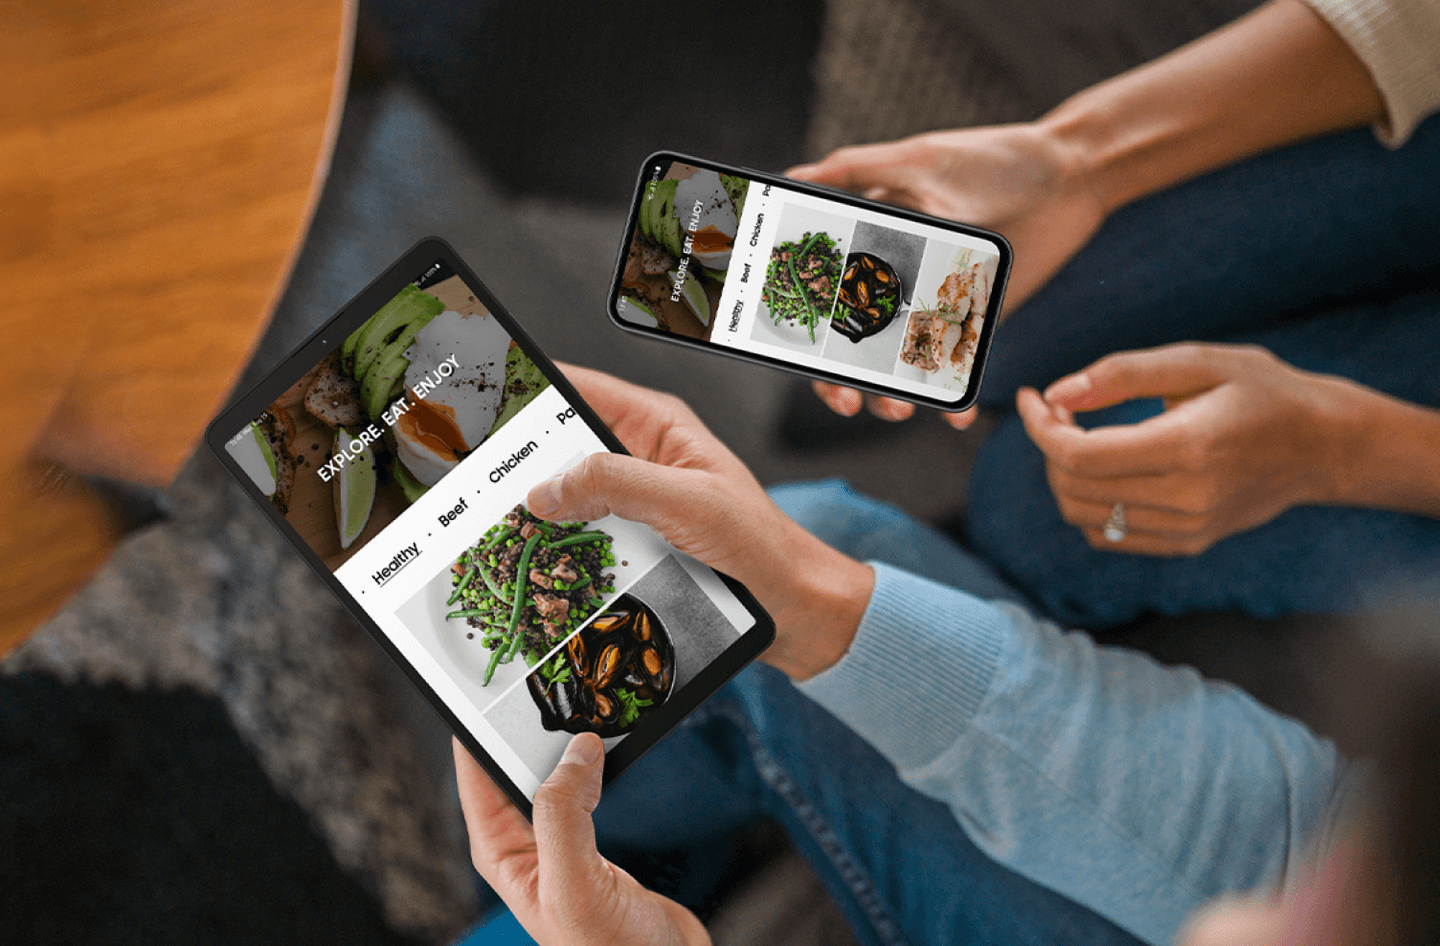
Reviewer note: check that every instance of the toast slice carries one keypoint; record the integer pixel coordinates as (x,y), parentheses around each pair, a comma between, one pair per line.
(334,397)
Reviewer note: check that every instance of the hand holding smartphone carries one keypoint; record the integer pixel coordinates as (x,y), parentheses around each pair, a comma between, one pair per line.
(810,280)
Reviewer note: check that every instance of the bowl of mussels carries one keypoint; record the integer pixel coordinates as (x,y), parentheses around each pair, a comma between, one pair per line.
(608,677)
(870,297)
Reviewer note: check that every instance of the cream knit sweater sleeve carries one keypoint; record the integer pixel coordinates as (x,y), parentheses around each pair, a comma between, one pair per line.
(1399,42)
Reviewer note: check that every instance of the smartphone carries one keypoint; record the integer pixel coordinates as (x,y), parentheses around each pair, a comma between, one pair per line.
(395,448)
(810,280)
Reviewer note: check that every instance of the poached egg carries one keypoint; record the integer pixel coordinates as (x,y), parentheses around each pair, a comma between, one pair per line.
(715,231)
(455,383)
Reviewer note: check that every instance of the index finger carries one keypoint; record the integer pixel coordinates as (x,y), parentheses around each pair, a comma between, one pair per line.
(610,397)
(640,417)
(962,419)
(844,401)
(862,167)
(1151,446)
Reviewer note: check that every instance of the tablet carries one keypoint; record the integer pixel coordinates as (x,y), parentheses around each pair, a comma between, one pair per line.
(395,448)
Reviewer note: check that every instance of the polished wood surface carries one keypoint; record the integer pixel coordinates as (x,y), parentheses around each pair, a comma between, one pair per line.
(159,164)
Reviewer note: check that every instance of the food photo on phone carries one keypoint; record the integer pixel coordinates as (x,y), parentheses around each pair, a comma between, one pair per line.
(814,281)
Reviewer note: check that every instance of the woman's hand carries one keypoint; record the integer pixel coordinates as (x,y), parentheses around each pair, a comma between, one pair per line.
(550,874)
(1278,75)
(848,401)
(1243,438)
(699,497)
(1021,180)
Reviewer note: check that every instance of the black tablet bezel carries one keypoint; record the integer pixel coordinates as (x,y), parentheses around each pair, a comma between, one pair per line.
(249,405)
(967,397)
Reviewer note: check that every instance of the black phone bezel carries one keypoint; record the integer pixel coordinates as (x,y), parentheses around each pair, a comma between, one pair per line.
(249,405)
(966,398)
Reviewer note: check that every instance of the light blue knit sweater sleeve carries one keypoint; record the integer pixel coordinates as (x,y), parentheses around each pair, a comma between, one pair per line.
(1139,790)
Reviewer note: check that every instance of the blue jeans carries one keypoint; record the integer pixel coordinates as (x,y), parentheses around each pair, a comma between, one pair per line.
(896,862)
(1326,253)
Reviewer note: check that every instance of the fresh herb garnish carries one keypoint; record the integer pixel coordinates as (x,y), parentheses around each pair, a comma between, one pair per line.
(555,671)
(630,705)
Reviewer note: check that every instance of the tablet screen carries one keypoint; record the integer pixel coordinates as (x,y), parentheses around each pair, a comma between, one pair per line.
(402,459)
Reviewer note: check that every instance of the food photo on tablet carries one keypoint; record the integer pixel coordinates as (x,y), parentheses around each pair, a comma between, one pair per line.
(315,451)
(396,448)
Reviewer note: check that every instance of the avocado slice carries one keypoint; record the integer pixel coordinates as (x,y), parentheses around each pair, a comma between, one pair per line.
(409,307)
(347,350)
(642,219)
(380,384)
(649,213)
(523,383)
(397,348)
(670,235)
(409,485)
(737,188)
(642,216)
(660,205)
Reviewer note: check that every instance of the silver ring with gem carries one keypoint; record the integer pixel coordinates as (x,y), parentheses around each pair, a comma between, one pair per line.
(1116,529)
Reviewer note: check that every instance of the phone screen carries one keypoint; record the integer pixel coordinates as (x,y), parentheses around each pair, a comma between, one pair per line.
(842,289)
(402,459)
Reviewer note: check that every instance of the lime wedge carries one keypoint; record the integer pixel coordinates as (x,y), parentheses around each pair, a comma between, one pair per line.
(638,312)
(255,458)
(354,488)
(693,295)
(266,451)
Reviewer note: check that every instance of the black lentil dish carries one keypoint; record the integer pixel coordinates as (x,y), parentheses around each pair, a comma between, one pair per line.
(609,676)
(528,583)
(800,280)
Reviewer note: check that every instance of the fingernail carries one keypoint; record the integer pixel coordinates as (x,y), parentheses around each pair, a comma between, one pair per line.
(545,497)
(1067,388)
(583,749)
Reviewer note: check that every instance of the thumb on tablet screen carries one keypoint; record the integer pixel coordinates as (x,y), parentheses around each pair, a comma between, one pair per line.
(564,832)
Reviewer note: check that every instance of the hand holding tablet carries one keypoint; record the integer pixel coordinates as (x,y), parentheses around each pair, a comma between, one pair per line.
(697,495)
(681,481)
(550,874)
(396,448)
